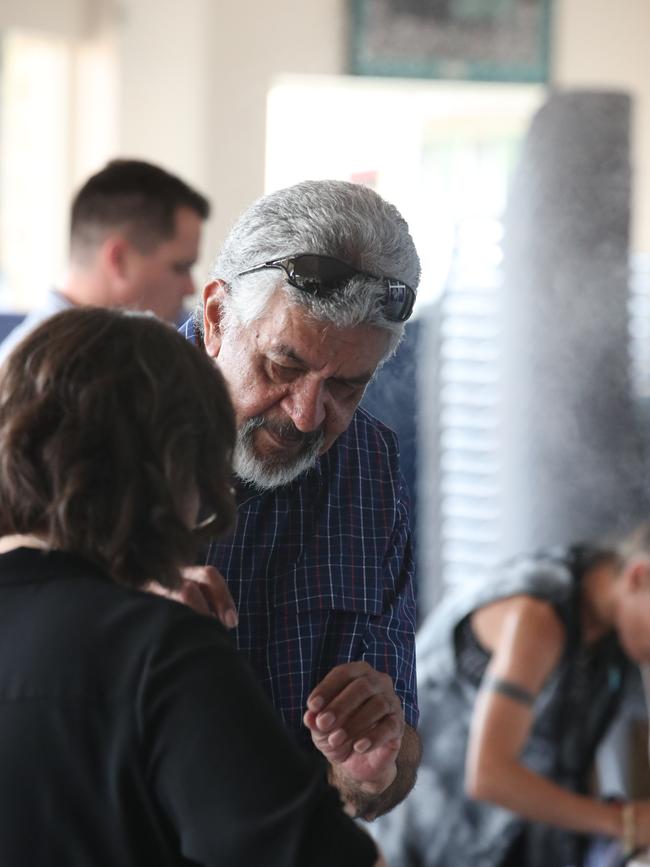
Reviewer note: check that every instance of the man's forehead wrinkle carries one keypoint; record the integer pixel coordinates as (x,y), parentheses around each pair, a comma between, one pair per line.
(287,351)
(290,352)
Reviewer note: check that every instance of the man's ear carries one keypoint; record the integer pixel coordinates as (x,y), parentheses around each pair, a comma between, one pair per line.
(114,253)
(638,575)
(213,295)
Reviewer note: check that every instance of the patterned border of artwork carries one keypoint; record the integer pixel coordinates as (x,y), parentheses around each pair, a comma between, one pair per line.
(485,40)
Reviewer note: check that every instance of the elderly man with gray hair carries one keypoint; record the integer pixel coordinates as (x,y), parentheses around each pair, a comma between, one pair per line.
(306,300)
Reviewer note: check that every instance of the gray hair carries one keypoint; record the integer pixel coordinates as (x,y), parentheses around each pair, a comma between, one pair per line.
(332,218)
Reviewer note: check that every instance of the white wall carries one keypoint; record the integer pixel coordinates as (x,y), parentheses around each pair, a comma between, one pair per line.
(194,81)
(58,17)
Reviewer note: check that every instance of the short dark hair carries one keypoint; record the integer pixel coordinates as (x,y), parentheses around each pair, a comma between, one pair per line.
(110,422)
(135,197)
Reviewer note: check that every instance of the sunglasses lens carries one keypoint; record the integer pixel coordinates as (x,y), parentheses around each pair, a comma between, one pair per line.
(320,273)
(399,300)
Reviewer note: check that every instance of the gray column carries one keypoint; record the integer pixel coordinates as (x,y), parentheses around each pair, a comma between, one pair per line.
(572,444)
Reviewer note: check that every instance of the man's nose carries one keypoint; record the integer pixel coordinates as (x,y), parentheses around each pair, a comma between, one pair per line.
(305,406)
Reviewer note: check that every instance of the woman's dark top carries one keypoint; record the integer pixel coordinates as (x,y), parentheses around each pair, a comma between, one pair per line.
(132,734)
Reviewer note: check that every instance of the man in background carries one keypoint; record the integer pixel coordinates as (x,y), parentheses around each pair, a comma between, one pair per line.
(134,237)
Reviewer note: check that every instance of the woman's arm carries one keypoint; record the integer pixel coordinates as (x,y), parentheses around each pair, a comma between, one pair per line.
(526,639)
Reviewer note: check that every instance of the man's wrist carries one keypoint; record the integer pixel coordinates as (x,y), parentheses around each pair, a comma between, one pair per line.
(361,799)
(398,782)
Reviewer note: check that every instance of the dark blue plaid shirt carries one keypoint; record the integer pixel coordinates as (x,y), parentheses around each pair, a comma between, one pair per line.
(321,572)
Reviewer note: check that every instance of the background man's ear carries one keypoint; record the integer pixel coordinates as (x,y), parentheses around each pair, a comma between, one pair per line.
(114,253)
(638,574)
(212,313)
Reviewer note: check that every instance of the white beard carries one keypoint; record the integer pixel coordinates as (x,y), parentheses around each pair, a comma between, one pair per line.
(273,472)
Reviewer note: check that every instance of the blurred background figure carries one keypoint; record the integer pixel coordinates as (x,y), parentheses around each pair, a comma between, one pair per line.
(519,680)
(134,237)
(131,731)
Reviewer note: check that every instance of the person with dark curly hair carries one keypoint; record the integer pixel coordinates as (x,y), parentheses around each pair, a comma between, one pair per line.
(131,732)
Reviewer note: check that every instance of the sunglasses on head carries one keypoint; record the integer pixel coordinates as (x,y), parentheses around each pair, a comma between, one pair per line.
(323,276)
